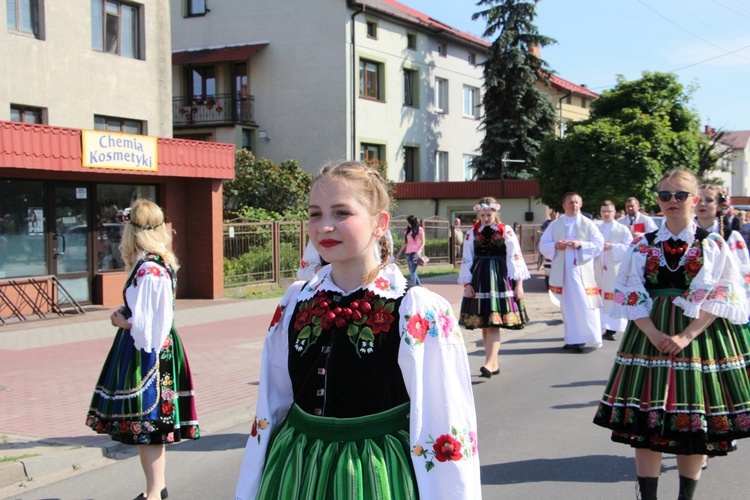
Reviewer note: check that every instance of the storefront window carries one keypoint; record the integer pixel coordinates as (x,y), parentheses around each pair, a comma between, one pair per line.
(111,200)
(22,239)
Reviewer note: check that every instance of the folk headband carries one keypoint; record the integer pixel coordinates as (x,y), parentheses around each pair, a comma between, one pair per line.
(485,206)
(126,219)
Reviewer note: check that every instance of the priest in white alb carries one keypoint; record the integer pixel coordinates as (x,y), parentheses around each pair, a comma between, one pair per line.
(617,239)
(572,242)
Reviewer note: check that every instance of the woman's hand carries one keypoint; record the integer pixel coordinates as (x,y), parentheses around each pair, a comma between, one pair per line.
(518,292)
(469,291)
(118,320)
(674,344)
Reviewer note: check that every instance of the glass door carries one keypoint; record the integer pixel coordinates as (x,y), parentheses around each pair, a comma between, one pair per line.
(69,230)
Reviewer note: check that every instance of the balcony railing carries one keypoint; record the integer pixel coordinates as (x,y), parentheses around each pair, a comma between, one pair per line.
(212,110)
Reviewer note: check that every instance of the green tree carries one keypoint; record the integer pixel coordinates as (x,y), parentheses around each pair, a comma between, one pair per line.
(636,132)
(261,184)
(518,115)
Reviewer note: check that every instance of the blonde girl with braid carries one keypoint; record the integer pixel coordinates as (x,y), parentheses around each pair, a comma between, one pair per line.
(365,384)
(144,394)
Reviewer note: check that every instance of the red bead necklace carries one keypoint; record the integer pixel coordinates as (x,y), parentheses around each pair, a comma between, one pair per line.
(674,250)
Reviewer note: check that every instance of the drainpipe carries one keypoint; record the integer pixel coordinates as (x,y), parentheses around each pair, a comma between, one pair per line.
(360,9)
(559,105)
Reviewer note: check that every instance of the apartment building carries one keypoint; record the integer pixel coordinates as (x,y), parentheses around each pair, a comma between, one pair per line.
(85,128)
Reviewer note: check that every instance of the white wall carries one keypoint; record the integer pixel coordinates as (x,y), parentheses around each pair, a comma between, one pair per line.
(63,74)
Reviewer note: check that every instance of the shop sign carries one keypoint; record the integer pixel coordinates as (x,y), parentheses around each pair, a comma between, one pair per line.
(119,151)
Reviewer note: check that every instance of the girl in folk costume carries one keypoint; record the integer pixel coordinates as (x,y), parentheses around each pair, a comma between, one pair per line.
(617,240)
(492,272)
(144,395)
(709,216)
(572,242)
(365,389)
(680,381)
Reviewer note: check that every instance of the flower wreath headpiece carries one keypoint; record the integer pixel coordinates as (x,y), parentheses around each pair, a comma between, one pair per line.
(485,206)
(126,219)
(723,196)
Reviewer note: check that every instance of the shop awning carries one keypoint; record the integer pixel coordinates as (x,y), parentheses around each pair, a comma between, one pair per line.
(235,53)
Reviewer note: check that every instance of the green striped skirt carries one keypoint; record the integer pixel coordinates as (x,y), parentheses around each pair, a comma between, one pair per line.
(695,403)
(313,457)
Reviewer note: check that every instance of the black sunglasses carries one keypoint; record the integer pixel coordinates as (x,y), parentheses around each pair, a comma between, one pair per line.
(680,196)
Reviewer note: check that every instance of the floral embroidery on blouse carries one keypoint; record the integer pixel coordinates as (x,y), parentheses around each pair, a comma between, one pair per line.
(432,323)
(363,319)
(634,298)
(258,425)
(276,316)
(447,447)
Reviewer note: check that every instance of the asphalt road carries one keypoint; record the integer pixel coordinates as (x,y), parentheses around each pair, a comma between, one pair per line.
(536,439)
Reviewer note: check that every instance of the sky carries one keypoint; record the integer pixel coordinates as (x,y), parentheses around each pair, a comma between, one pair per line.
(706,43)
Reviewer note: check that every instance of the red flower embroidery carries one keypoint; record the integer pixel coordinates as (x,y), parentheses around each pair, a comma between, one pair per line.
(380,320)
(652,266)
(304,317)
(124,427)
(682,422)
(632,299)
(636,241)
(446,448)
(254,430)
(276,316)
(382,283)
(720,423)
(720,293)
(167,407)
(417,327)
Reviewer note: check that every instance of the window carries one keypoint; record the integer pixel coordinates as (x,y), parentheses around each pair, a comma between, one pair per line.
(441,95)
(24,16)
(22,241)
(411,78)
(372,29)
(411,41)
(113,124)
(411,167)
(472,58)
(369,152)
(584,103)
(369,80)
(441,166)
(26,114)
(471,101)
(247,139)
(202,81)
(111,199)
(468,169)
(442,49)
(114,28)
(196,8)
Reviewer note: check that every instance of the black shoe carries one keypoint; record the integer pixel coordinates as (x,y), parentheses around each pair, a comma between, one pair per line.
(578,348)
(496,372)
(485,372)
(164,494)
(609,336)
(567,347)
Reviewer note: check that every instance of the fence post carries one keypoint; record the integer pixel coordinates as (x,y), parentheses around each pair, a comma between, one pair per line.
(276,251)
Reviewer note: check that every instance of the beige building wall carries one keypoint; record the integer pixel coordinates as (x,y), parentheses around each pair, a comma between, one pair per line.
(394,125)
(299,80)
(512,211)
(62,74)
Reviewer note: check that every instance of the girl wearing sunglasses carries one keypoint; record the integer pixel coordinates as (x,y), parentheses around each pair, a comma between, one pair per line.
(679,384)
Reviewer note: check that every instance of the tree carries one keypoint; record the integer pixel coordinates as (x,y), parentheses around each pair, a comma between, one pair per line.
(518,116)
(636,132)
(261,184)
(714,155)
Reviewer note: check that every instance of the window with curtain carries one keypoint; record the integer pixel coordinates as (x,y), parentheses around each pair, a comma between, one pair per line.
(114,28)
(24,16)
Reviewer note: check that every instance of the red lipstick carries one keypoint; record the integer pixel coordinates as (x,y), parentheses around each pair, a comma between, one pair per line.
(329,243)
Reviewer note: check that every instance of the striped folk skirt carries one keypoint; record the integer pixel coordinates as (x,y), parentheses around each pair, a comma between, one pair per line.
(494,303)
(695,403)
(142,397)
(340,458)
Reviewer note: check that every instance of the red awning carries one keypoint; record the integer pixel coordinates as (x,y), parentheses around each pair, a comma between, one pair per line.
(225,54)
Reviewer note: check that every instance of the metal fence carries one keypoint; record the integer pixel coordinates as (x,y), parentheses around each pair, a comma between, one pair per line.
(269,252)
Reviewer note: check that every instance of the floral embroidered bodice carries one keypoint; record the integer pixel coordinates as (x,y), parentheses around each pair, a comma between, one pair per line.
(489,241)
(672,263)
(358,333)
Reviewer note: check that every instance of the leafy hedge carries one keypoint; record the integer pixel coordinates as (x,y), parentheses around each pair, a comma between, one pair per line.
(259,263)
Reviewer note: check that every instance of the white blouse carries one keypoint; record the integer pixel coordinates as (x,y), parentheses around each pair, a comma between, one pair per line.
(150,299)
(716,288)
(515,262)
(434,364)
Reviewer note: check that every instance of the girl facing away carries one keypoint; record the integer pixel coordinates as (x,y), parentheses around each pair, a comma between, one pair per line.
(144,395)
(365,389)
(492,273)
(680,382)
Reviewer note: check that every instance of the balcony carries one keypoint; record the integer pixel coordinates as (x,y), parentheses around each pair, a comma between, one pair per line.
(212,110)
